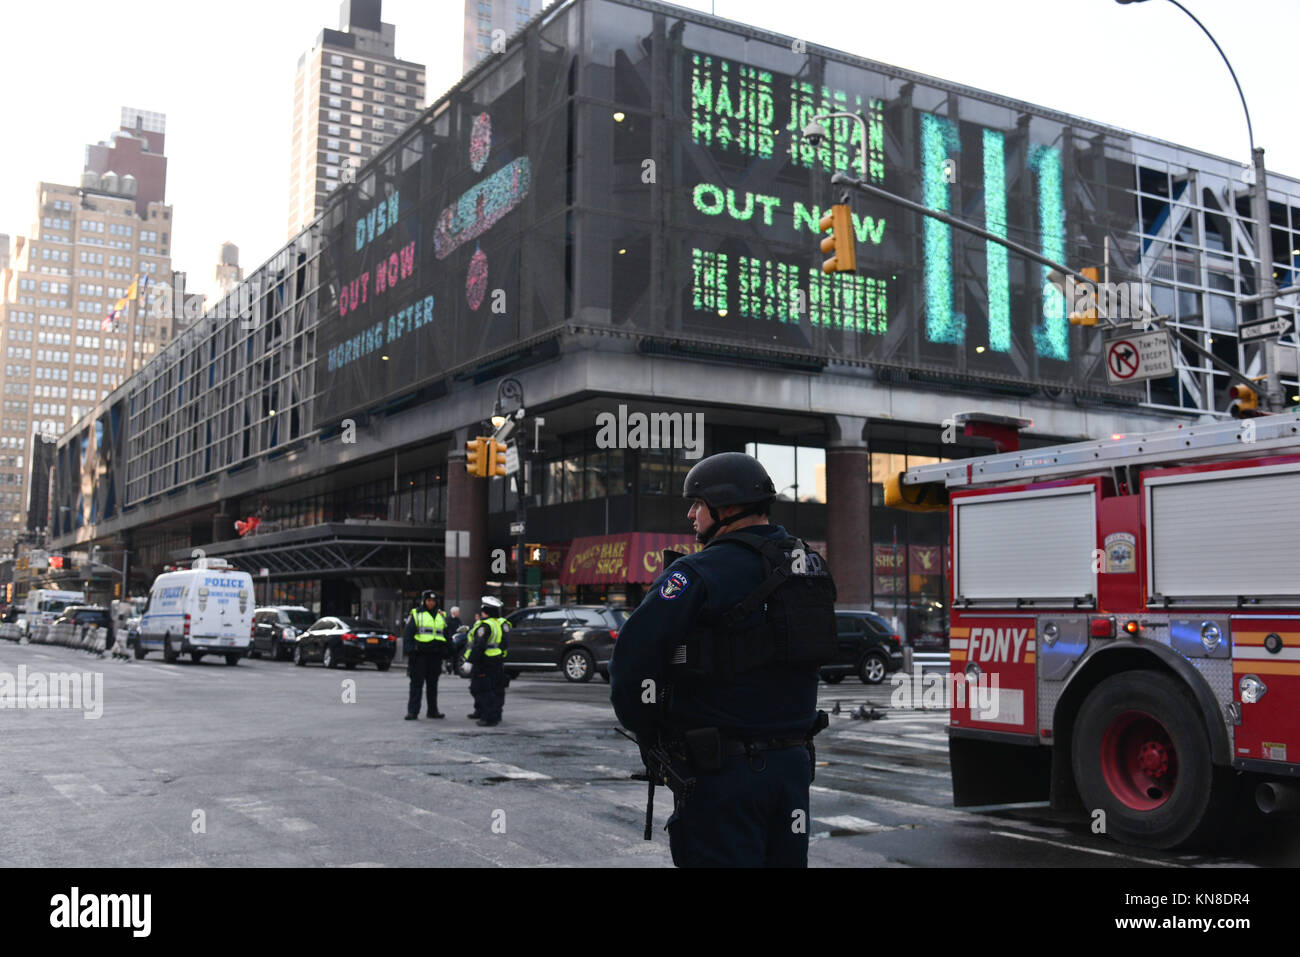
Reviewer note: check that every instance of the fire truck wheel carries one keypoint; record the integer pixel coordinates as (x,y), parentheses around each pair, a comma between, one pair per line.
(1141,754)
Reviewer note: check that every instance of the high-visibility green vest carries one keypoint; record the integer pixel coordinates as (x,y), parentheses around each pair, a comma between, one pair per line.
(429,627)
(498,627)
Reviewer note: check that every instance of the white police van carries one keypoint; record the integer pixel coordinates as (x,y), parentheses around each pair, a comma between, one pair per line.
(202,610)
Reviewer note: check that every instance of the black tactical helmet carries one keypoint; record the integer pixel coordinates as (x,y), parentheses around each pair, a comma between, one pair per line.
(729,478)
(427,594)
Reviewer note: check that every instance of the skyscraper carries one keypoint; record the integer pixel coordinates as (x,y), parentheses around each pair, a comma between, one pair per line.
(86,249)
(483,18)
(351,97)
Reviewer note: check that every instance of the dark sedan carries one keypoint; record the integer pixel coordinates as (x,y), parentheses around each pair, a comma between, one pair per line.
(576,640)
(337,640)
(866,647)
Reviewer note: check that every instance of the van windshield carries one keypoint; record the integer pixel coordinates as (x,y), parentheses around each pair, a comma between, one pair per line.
(54,604)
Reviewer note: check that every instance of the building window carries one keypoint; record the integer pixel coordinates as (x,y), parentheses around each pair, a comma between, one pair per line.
(336,60)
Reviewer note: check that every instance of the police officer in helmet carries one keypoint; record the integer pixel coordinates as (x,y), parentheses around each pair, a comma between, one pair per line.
(425,643)
(716,671)
(486,650)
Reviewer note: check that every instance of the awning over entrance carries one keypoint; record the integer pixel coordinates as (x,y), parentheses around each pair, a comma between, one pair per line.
(633,557)
(630,558)
(337,549)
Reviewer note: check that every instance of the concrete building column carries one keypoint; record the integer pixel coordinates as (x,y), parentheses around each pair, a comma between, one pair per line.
(466,512)
(848,510)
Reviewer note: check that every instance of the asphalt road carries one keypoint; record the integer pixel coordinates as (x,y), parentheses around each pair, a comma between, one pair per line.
(267,764)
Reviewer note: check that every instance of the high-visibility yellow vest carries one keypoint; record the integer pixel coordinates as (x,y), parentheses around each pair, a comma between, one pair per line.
(429,627)
(498,627)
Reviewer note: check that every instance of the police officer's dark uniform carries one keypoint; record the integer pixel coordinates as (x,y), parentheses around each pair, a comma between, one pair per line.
(742,731)
(425,643)
(486,650)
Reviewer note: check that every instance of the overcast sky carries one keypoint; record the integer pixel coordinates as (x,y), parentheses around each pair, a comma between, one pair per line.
(223,74)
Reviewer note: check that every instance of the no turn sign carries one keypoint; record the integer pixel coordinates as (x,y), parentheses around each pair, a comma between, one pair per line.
(1146,356)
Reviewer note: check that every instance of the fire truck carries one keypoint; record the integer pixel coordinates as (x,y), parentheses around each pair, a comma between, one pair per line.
(1132,606)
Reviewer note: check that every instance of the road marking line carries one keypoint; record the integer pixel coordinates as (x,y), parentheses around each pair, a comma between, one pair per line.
(847,822)
(1086,850)
(74,787)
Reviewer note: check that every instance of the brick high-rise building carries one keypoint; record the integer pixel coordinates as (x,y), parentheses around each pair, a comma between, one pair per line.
(351,97)
(87,246)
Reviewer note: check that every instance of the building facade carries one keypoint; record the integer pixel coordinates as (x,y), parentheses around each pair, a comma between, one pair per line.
(87,246)
(351,96)
(493,21)
(619,213)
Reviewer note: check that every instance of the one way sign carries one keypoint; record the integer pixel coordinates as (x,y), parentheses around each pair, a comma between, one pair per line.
(1266,328)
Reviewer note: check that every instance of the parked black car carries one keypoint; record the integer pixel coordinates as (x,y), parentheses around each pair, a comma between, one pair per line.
(576,639)
(338,641)
(95,616)
(276,629)
(868,648)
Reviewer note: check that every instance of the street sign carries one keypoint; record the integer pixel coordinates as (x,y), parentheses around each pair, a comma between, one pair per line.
(1265,328)
(457,544)
(512,459)
(516,528)
(264,572)
(1136,357)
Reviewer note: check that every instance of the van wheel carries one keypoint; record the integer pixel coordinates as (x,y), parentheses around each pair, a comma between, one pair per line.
(139,652)
(196,656)
(232,659)
(351,665)
(299,658)
(170,654)
(274,654)
(1141,753)
(383,665)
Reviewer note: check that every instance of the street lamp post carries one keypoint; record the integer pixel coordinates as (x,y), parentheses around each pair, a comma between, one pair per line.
(794,512)
(1259,212)
(508,391)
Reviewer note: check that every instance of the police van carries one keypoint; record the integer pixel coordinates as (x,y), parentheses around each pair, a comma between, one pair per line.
(202,610)
(43,605)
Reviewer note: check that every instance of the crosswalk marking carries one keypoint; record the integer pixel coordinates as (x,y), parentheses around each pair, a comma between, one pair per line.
(267,815)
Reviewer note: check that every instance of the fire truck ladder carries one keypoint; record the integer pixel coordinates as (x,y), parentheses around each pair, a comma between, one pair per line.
(1185,444)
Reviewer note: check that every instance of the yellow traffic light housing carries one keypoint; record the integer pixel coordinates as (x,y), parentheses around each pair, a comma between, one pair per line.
(1089,316)
(1245,402)
(534,554)
(496,458)
(839,244)
(476,456)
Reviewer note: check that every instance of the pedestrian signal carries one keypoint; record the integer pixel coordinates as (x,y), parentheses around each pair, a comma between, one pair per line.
(534,554)
(476,456)
(839,244)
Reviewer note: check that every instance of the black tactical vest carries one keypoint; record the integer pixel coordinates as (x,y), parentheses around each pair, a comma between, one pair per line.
(796,601)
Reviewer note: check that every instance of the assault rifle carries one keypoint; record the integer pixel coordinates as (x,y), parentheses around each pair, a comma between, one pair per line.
(659,770)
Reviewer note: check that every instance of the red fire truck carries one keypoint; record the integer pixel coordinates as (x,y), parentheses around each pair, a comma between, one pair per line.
(1136,602)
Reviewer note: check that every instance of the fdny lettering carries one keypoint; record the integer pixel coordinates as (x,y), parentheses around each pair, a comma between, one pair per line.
(674,585)
(997,644)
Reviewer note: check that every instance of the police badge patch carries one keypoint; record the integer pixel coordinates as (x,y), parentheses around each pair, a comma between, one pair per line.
(674,585)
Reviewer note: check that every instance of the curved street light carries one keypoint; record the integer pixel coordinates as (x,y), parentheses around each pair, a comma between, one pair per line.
(1260,213)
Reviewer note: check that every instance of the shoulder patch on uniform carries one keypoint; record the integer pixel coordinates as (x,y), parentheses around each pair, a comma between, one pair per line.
(674,585)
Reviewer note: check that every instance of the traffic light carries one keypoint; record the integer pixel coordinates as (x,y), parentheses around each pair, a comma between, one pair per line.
(476,456)
(534,554)
(1245,402)
(496,457)
(1089,316)
(839,244)
(57,561)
